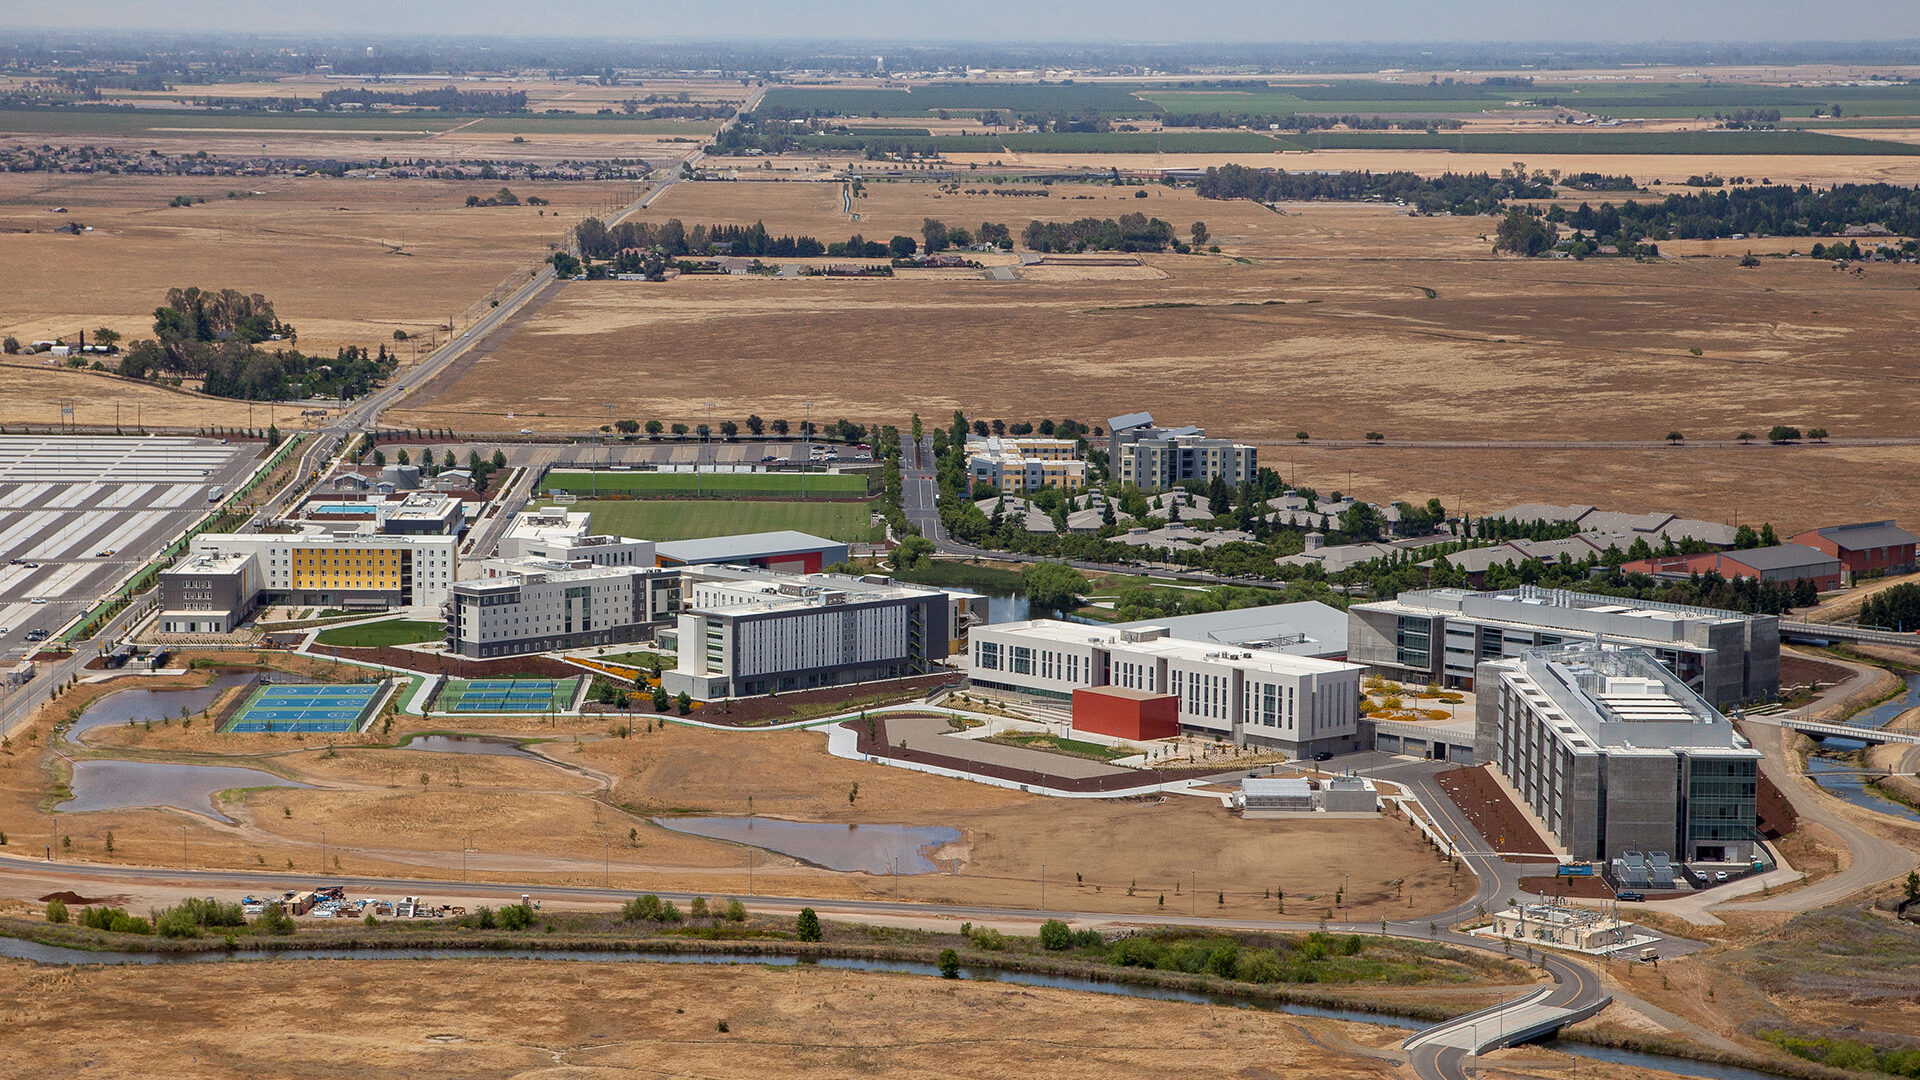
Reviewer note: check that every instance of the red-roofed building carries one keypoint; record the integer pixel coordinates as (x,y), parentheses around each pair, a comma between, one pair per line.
(1785,562)
(1865,548)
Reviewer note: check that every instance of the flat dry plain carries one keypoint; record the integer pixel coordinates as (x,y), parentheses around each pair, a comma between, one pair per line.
(502,1019)
(1337,319)
(347,262)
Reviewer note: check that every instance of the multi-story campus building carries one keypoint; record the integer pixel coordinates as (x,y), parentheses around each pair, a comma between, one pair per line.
(1441,635)
(225,575)
(1298,704)
(1154,457)
(566,536)
(1019,465)
(746,631)
(1615,754)
(529,605)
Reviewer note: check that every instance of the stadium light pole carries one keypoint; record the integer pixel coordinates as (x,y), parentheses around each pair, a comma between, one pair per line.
(323,852)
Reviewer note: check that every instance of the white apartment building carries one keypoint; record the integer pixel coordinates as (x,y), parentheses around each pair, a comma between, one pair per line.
(1298,704)
(361,569)
(1140,453)
(567,536)
(528,605)
(745,631)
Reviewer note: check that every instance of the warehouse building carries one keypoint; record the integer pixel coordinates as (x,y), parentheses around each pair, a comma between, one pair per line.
(1297,704)
(745,631)
(528,605)
(1780,564)
(1441,635)
(786,551)
(1615,754)
(1867,548)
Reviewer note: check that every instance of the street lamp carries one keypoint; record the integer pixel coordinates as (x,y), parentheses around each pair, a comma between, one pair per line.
(1193,894)
(465,843)
(323,853)
(606,864)
(1043,886)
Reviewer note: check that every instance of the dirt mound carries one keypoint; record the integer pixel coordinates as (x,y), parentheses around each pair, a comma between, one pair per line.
(71,898)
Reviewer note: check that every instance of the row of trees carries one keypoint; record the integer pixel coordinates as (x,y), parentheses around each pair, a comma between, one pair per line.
(1766,210)
(446,99)
(842,430)
(1897,608)
(1131,232)
(1458,193)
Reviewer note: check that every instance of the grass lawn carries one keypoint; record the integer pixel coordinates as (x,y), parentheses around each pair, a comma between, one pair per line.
(639,659)
(818,485)
(386,632)
(1073,747)
(671,519)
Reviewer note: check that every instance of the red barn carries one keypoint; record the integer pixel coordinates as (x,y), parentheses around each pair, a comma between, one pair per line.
(1126,714)
(1866,547)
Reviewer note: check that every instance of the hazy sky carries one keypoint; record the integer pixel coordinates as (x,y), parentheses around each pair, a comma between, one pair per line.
(1013,21)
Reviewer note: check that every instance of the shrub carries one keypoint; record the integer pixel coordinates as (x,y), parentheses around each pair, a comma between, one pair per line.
(516,917)
(176,923)
(56,911)
(807,926)
(697,908)
(949,964)
(669,913)
(483,918)
(987,938)
(1055,935)
(641,907)
(736,911)
(273,919)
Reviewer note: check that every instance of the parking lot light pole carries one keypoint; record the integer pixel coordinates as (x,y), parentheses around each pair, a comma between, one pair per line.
(1043,886)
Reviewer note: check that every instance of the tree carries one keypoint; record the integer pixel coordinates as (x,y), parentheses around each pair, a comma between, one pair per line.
(729,430)
(1744,537)
(912,552)
(627,427)
(1675,437)
(273,436)
(106,336)
(1055,935)
(10,346)
(1912,891)
(679,430)
(949,964)
(1199,234)
(935,234)
(780,428)
(1744,437)
(683,702)
(379,457)
(654,428)
(1052,586)
(1522,232)
(499,459)
(902,247)
(565,265)
(1301,435)
(661,702)
(401,457)
(736,912)
(1818,434)
(449,461)
(1783,433)
(1374,437)
(755,425)
(807,926)
(1219,498)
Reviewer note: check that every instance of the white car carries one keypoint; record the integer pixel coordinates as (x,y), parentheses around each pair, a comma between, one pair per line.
(39,599)
(526,431)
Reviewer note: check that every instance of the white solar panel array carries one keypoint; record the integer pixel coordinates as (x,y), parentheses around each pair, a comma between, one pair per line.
(157,459)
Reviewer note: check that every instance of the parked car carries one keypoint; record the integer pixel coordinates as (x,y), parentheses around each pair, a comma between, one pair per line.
(1630,897)
(1719,876)
(1323,755)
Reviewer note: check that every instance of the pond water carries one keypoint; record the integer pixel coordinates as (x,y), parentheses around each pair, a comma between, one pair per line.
(1003,607)
(872,849)
(51,954)
(1841,776)
(465,744)
(114,785)
(137,706)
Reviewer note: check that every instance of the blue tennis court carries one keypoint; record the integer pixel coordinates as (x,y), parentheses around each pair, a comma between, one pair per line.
(507,695)
(313,708)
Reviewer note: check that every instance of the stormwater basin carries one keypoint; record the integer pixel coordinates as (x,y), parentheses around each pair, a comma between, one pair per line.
(138,705)
(117,785)
(872,849)
(465,744)
(1842,777)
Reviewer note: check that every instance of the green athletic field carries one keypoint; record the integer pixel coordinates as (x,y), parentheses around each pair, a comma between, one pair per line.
(818,485)
(688,519)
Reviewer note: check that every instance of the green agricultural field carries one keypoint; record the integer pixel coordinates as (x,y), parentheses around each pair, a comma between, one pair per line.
(375,635)
(778,485)
(668,519)
(1110,99)
(1797,143)
(1067,142)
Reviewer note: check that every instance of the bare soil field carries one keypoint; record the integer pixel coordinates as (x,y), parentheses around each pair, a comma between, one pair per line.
(526,1018)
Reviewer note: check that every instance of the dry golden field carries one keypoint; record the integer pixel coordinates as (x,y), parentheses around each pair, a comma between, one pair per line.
(499,1019)
(1317,317)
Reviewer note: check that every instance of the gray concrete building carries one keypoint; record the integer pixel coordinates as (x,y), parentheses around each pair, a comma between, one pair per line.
(1615,754)
(1441,635)
(208,592)
(529,605)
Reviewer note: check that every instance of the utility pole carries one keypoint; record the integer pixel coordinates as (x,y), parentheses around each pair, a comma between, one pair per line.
(806,447)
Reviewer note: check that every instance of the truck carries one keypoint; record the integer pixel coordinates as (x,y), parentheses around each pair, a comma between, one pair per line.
(214,493)
(1649,953)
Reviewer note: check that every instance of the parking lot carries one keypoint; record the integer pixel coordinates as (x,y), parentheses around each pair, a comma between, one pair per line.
(76,512)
